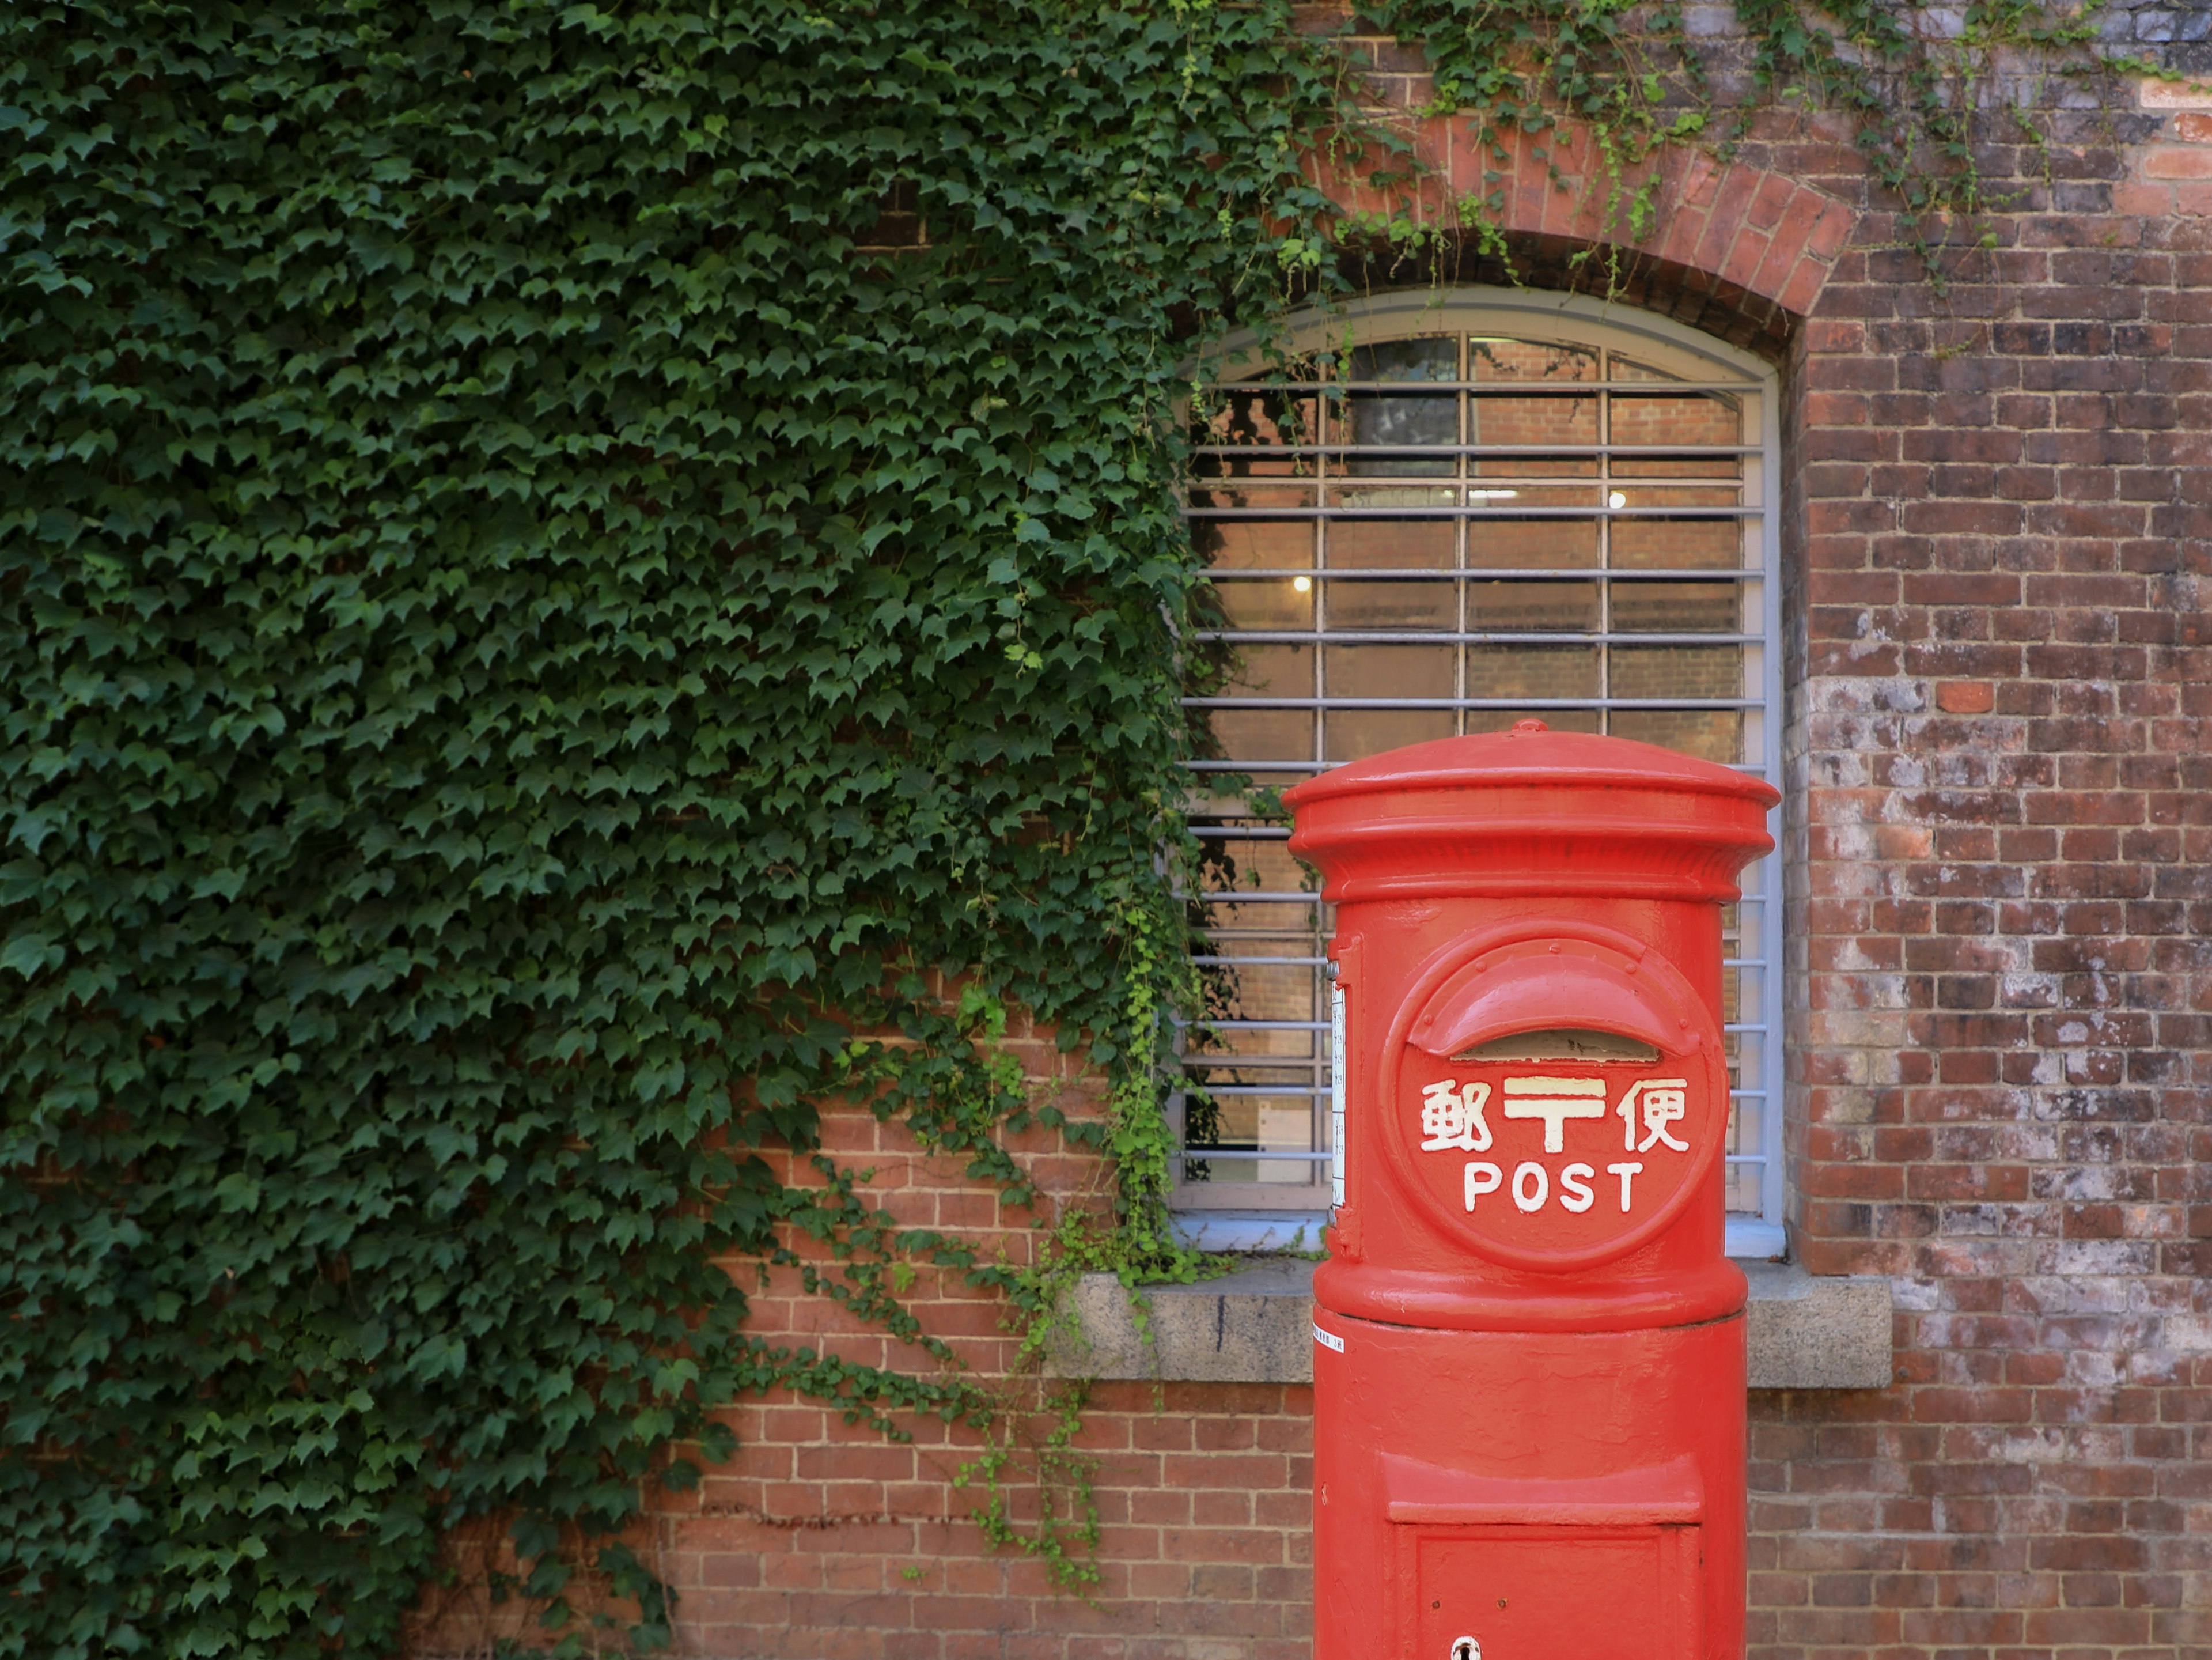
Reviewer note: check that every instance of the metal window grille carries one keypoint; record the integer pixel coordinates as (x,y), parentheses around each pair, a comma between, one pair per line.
(1468,515)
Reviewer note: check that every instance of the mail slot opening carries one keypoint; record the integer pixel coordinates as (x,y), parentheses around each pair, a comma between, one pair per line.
(1563,1043)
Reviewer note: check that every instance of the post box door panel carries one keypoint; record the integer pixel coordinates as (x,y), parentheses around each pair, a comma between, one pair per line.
(1600,1568)
(1553,1099)
(1549,1593)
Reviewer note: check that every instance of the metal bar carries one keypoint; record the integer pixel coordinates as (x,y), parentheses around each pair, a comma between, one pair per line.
(1503,573)
(1649,450)
(1264,833)
(1499,388)
(1233,962)
(1190,1152)
(1318,1089)
(1260,766)
(1246,1063)
(1472,702)
(1248,1026)
(1454,510)
(1473,637)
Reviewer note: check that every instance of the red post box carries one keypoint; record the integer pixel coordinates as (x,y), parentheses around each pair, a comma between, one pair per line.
(1529,1391)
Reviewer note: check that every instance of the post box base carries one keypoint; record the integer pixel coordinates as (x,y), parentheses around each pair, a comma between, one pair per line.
(1528,1495)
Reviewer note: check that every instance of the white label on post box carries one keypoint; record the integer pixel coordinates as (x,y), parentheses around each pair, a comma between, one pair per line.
(1336,1092)
(1328,1339)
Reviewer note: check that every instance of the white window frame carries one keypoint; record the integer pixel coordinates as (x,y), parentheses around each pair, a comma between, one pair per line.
(1583,319)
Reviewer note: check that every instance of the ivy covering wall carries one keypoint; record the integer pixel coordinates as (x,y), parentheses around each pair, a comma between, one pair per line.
(530,633)
(519,640)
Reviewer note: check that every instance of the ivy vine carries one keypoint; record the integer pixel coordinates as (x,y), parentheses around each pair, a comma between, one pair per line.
(561,565)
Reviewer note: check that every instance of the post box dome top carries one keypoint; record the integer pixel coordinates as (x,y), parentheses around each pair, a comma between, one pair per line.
(1532,812)
(1530,753)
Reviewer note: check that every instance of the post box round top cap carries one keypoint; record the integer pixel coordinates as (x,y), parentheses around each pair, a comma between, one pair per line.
(1530,753)
(1530,812)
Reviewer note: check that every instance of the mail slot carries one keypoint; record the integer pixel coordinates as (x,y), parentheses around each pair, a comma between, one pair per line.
(1529,1434)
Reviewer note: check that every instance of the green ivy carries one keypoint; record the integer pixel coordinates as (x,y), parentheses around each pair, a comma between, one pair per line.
(561,567)
(526,642)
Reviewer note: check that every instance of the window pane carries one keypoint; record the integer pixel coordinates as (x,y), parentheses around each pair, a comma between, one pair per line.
(1272,604)
(1378,421)
(1255,543)
(1525,421)
(1534,607)
(1557,719)
(1261,734)
(1708,734)
(1532,671)
(1392,544)
(1653,672)
(1532,543)
(1496,358)
(1389,671)
(1677,545)
(1274,672)
(1708,418)
(1624,368)
(1677,607)
(1275,497)
(1353,734)
(1433,359)
(1239,417)
(1398,497)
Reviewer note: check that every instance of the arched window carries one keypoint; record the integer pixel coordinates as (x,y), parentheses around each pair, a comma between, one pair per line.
(1457,512)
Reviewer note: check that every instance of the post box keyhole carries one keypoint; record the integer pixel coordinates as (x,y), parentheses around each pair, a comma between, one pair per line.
(1466,1648)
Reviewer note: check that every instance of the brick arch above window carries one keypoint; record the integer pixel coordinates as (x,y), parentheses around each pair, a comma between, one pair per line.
(1725,228)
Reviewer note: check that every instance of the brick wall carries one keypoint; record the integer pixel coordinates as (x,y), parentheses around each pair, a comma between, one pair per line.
(1204,1545)
(1999,514)
(1999,1044)
(823,1541)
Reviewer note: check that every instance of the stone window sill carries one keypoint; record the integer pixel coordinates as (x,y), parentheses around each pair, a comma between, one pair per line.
(1256,1327)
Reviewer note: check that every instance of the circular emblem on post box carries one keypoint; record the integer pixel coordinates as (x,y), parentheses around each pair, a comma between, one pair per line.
(1555,1098)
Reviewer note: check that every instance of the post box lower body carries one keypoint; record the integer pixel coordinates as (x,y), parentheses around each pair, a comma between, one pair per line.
(1528,1495)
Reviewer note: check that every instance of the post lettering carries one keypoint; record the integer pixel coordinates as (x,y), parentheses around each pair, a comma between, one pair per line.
(1664,1101)
(1524,1200)
(1481,1178)
(1574,1188)
(1627,1173)
(1451,1117)
(1555,1100)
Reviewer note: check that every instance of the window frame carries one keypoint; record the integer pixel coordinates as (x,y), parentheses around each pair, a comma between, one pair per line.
(1232,1223)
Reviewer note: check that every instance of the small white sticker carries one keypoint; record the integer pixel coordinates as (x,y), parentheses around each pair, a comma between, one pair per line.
(1336,1066)
(1328,1339)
